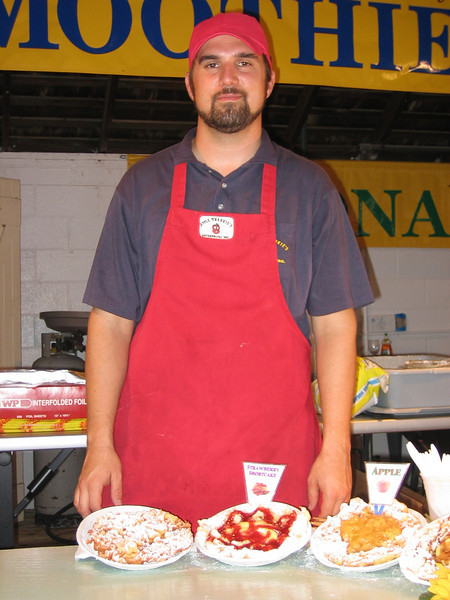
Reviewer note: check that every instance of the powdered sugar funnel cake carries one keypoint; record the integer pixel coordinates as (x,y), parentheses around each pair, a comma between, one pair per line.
(357,539)
(133,537)
(422,552)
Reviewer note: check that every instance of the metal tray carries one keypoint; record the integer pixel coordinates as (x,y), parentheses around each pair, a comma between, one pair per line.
(66,321)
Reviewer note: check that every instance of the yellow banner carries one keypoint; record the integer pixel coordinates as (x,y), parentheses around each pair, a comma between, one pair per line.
(395,204)
(378,44)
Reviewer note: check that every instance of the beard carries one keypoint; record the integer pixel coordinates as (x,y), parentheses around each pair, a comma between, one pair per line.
(229,117)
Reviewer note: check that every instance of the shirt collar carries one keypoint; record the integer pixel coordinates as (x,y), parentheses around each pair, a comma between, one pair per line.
(184,152)
(265,154)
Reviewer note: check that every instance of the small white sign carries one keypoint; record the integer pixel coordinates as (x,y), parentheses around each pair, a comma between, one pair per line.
(216,226)
(261,481)
(384,481)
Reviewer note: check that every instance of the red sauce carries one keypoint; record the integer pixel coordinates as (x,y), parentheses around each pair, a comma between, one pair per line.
(258,530)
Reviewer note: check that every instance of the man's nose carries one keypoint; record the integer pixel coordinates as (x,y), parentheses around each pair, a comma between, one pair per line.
(228,74)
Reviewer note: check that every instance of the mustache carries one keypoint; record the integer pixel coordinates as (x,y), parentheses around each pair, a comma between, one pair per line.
(231,90)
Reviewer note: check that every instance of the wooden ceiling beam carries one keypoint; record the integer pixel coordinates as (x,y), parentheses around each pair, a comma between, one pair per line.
(6,110)
(110,97)
(391,112)
(304,103)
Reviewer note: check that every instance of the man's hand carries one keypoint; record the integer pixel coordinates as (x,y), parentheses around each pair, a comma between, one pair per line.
(107,347)
(331,476)
(101,468)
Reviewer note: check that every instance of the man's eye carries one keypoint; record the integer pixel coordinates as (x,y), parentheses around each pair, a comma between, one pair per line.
(211,65)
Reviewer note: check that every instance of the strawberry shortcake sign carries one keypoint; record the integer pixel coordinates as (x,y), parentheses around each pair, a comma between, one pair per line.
(261,481)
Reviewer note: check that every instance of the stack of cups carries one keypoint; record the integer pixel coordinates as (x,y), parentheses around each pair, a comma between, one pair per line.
(435,473)
(437,490)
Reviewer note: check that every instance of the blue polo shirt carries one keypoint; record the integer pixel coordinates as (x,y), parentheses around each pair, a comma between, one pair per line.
(320,265)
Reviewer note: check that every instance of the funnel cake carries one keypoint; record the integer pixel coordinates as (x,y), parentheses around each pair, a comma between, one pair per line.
(250,536)
(358,537)
(425,550)
(138,536)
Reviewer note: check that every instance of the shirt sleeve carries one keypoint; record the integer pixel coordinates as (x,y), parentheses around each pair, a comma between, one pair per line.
(113,281)
(339,278)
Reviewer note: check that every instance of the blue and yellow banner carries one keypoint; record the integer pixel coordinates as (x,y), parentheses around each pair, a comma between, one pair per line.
(377,44)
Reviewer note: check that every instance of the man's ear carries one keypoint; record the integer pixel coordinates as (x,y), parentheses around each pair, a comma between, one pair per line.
(270,84)
(187,83)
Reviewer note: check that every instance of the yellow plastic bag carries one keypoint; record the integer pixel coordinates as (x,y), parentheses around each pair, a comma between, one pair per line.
(369,379)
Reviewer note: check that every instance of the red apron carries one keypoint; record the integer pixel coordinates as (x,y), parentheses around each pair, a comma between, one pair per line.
(219,372)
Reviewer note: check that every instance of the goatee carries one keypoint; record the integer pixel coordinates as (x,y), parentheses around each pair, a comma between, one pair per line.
(229,117)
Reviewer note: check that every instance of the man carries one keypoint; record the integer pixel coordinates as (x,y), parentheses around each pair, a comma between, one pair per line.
(212,254)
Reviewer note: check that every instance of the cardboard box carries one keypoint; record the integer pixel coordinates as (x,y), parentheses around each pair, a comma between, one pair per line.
(42,395)
(43,402)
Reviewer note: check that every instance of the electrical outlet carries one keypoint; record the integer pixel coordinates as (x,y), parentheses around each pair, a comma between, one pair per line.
(381,323)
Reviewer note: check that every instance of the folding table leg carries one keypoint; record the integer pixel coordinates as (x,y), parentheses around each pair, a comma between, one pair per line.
(6,501)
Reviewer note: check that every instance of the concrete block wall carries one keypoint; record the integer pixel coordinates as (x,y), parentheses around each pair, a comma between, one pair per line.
(414,281)
(64,201)
(64,198)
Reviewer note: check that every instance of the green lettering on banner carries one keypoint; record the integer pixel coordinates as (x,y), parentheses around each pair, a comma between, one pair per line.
(366,198)
(394,204)
(433,217)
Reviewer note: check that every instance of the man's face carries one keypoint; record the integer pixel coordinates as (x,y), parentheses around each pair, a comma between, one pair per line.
(228,84)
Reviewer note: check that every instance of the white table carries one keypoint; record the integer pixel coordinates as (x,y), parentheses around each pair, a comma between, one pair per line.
(10,442)
(370,423)
(53,574)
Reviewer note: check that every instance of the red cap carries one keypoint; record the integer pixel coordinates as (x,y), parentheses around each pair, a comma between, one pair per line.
(245,28)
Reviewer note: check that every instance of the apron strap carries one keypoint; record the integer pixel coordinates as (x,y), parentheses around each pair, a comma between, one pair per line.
(178,185)
(269,189)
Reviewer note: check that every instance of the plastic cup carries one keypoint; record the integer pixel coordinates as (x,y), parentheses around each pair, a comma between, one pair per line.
(437,490)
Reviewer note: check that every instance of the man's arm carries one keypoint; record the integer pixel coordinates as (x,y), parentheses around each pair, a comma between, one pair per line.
(107,348)
(335,340)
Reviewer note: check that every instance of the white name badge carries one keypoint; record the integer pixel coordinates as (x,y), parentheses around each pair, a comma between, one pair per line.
(216,226)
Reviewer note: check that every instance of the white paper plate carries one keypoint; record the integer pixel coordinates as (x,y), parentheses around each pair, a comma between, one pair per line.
(84,550)
(318,548)
(410,561)
(319,544)
(410,575)
(298,537)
